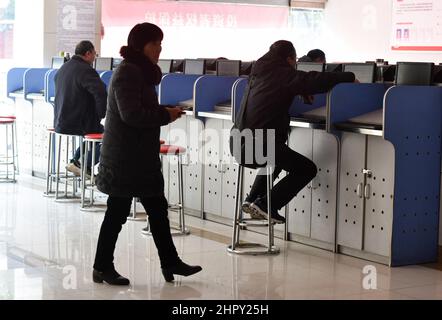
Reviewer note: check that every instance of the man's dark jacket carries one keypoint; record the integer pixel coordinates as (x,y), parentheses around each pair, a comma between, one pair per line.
(275,85)
(80,99)
(130,164)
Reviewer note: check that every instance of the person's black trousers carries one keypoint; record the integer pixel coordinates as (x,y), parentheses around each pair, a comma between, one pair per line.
(118,209)
(300,171)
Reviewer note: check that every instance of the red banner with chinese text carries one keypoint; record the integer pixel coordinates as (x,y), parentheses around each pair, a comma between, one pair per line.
(203,15)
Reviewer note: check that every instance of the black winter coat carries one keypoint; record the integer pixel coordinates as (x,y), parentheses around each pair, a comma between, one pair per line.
(276,84)
(129,164)
(80,99)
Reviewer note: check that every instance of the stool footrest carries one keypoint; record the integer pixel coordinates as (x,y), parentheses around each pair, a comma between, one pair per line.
(253,249)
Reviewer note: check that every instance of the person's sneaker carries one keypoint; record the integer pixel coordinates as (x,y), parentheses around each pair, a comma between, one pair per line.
(247,208)
(74,167)
(259,208)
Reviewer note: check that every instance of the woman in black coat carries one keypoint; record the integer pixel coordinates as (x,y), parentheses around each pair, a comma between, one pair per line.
(130,165)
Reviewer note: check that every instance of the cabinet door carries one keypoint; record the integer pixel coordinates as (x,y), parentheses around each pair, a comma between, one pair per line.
(229,171)
(193,165)
(379,193)
(42,118)
(212,158)
(351,187)
(24,136)
(299,216)
(164,135)
(324,186)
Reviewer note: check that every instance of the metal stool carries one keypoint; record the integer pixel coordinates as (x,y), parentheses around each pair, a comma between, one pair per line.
(8,160)
(89,140)
(168,150)
(67,176)
(14,146)
(238,222)
(50,172)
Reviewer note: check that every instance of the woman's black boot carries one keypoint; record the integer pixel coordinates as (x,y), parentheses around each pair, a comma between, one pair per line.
(181,269)
(111,277)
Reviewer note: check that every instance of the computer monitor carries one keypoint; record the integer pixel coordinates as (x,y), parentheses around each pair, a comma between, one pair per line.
(103,64)
(364,72)
(194,66)
(437,74)
(333,67)
(116,62)
(177,66)
(414,73)
(57,62)
(246,67)
(165,65)
(310,66)
(228,68)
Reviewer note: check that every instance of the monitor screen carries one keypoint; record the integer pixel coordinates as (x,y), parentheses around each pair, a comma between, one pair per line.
(364,72)
(165,65)
(414,73)
(57,62)
(116,62)
(246,68)
(194,67)
(177,66)
(103,64)
(310,66)
(333,67)
(228,68)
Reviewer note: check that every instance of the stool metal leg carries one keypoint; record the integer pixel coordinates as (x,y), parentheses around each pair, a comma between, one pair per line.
(49,171)
(133,215)
(57,174)
(83,174)
(252,248)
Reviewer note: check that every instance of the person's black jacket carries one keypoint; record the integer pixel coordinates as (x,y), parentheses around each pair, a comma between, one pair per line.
(129,164)
(275,85)
(80,99)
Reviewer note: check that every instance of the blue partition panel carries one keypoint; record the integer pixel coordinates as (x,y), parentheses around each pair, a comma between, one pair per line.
(50,86)
(175,88)
(106,77)
(298,106)
(34,81)
(348,100)
(211,90)
(413,125)
(14,80)
(239,88)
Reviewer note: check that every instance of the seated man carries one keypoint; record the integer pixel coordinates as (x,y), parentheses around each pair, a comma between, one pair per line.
(80,100)
(263,124)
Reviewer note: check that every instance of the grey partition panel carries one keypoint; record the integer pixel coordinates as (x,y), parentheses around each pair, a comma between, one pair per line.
(351,198)
(379,196)
(193,165)
(177,136)
(43,115)
(24,133)
(324,186)
(229,174)
(212,174)
(301,140)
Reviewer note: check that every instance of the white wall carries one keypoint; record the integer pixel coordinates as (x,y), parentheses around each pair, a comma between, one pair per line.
(360,30)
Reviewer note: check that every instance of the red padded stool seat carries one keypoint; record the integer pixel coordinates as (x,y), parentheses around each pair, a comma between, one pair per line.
(9,117)
(6,121)
(172,150)
(94,136)
(162,141)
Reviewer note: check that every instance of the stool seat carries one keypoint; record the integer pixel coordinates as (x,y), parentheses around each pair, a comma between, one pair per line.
(6,121)
(162,141)
(175,150)
(9,117)
(94,136)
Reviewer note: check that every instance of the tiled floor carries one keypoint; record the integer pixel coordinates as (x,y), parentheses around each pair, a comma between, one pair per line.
(47,251)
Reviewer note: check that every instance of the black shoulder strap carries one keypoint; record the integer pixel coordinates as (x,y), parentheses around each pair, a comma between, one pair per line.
(240,117)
